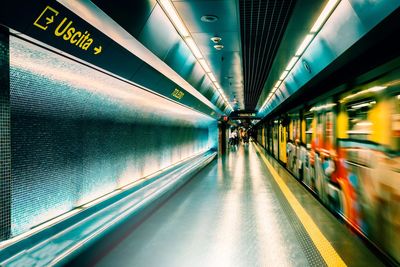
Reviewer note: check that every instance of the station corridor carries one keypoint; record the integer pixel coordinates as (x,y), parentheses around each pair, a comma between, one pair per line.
(199,133)
(233,213)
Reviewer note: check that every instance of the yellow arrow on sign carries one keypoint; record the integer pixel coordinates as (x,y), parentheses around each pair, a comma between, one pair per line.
(97,50)
(50,20)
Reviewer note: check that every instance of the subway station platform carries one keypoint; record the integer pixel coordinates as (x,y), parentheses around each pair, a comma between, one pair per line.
(238,211)
(115,117)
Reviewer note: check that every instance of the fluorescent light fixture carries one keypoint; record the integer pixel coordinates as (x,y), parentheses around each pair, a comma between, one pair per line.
(364,123)
(212,77)
(192,45)
(204,64)
(278,83)
(377,88)
(372,89)
(217,85)
(283,75)
(291,63)
(326,106)
(324,15)
(363,105)
(174,17)
(392,83)
(304,44)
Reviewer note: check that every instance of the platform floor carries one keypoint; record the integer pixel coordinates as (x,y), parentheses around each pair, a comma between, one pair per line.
(233,213)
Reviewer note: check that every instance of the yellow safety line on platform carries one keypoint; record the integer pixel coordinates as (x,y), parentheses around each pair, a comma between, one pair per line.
(324,247)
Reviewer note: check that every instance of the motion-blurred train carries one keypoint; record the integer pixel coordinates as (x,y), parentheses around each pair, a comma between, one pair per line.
(346,150)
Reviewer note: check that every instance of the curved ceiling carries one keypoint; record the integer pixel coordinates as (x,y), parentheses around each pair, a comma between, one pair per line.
(251,32)
(227,62)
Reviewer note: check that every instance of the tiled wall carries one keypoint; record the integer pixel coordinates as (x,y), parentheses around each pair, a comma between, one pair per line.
(78,133)
(5,157)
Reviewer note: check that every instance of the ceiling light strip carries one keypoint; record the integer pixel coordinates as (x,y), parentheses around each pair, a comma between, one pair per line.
(319,23)
(326,12)
(307,40)
(174,17)
(192,45)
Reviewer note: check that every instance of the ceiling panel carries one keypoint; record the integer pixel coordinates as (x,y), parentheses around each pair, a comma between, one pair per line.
(226,11)
(262,26)
(124,12)
(226,64)
(230,40)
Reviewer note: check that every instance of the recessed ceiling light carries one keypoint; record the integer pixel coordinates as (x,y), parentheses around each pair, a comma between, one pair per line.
(216,39)
(209,18)
(218,46)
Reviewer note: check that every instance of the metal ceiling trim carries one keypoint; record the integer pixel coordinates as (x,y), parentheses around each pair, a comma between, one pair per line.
(262,26)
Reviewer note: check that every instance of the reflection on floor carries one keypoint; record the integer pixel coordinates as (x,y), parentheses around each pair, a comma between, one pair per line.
(234,214)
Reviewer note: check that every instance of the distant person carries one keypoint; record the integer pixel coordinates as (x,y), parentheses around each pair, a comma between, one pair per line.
(231,138)
(235,137)
(245,137)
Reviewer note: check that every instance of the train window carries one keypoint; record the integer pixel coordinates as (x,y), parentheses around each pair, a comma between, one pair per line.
(275,138)
(309,129)
(298,129)
(395,131)
(329,129)
(360,127)
(294,127)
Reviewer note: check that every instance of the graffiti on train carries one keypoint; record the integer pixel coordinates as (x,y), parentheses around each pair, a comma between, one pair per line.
(346,150)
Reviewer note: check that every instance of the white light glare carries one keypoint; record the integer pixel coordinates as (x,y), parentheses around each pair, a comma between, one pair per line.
(291,63)
(174,17)
(204,64)
(377,88)
(326,106)
(192,45)
(304,44)
(212,77)
(372,89)
(278,83)
(264,106)
(363,105)
(284,74)
(324,15)
(222,94)
(364,123)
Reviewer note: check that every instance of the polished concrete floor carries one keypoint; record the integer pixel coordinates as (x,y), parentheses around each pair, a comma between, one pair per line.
(233,214)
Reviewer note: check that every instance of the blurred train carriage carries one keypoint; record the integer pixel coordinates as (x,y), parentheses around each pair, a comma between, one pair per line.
(346,150)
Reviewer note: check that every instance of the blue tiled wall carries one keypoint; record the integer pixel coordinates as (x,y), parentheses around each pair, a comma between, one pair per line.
(75,140)
(5,153)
